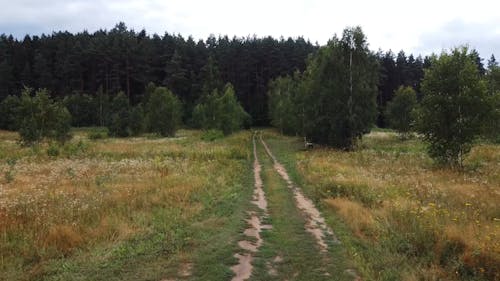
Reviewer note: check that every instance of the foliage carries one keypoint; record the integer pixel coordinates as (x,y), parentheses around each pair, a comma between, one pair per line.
(123,59)
(492,124)
(96,134)
(395,71)
(136,120)
(399,111)
(82,108)
(9,110)
(340,89)
(119,126)
(164,112)
(285,105)
(454,106)
(212,134)
(53,150)
(223,113)
(40,117)
(120,115)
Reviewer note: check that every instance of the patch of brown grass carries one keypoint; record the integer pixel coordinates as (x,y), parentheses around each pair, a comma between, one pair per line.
(64,238)
(359,218)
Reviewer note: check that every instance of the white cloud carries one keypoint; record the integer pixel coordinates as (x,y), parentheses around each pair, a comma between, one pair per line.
(415,26)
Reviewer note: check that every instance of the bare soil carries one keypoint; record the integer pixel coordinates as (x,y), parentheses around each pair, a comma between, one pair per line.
(243,270)
(315,223)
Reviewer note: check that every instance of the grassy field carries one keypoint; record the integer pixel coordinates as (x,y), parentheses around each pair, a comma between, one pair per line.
(123,209)
(400,216)
(174,209)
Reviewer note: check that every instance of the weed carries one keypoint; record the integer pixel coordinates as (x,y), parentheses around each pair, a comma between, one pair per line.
(97,134)
(211,135)
(53,150)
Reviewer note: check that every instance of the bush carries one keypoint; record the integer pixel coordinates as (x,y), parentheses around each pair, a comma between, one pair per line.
(83,109)
(136,120)
(223,113)
(211,135)
(53,150)
(40,117)
(75,148)
(164,112)
(98,134)
(399,111)
(120,123)
(9,111)
(285,109)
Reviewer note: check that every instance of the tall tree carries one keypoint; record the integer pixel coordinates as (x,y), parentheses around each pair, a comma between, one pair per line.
(341,82)
(454,106)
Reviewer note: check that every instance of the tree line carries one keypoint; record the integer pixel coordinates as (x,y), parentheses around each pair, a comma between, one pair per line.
(338,98)
(123,60)
(131,83)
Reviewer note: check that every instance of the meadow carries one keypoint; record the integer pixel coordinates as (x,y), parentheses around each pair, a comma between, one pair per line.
(150,208)
(122,209)
(400,215)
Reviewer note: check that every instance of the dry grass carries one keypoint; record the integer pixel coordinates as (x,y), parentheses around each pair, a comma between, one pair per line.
(359,218)
(51,206)
(449,216)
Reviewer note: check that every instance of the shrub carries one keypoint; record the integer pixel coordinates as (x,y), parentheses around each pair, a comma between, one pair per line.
(212,134)
(53,150)
(136,120)
(9,111)
(399,111)
(164,112)
(98,134)
(83,109)
(40,117)
(223,113)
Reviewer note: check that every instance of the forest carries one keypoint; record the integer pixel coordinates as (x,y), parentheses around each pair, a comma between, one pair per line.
(122,60)
(130,156)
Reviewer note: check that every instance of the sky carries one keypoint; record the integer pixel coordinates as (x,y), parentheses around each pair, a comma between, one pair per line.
(418,27)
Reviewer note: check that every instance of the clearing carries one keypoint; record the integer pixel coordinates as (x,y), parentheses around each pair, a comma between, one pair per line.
(252,206)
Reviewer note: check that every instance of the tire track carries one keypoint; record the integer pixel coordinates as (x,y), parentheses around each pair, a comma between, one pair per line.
(243,270)
(315,223)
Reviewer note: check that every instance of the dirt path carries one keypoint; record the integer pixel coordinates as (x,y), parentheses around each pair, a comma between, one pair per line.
(243,269)
(315,223)
(301,246)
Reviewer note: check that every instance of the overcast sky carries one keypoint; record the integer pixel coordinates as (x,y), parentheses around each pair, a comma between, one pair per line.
(422,26)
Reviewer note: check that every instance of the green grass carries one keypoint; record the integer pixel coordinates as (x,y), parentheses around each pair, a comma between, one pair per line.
(425,222)
(125,209)
(288,239)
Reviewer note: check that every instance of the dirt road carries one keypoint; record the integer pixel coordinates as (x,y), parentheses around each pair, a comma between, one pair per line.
(287,237)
